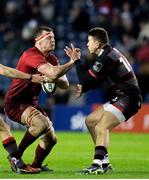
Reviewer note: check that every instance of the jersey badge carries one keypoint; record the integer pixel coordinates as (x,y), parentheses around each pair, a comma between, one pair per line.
(97,66)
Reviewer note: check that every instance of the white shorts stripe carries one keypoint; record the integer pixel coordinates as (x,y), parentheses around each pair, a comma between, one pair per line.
(115,111)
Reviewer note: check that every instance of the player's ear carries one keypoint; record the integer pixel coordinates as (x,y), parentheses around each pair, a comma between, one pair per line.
(39,43)
(97,44)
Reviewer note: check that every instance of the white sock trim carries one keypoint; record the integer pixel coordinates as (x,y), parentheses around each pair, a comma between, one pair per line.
(105,159)
(97,161)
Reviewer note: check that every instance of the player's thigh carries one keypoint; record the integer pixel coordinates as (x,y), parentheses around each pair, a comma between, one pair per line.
(94,117)
(4,129)
(3,125)
(33,117)
(108,121)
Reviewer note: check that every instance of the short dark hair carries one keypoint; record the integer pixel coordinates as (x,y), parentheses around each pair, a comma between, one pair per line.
(39,31)
(100,34)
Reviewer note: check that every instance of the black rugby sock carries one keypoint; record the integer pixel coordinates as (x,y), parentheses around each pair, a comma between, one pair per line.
(10,146)
(27,140)
(40,155)
(100,152)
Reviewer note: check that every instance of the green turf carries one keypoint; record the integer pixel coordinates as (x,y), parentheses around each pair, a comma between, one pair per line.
(129,154)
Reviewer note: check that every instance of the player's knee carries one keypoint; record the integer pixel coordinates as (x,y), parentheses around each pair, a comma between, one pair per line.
(43,126)
(54,141)
(89,122)
(101,128)
(40,125)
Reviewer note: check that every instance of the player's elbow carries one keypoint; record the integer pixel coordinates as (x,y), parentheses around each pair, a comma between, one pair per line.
(65,85)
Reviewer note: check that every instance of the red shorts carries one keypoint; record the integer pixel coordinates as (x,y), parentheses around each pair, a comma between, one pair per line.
(14,110)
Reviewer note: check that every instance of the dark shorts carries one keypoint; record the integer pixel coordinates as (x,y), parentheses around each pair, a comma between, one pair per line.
(14,110)
(128,104)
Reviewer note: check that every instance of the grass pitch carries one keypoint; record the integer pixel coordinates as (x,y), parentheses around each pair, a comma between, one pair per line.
(129,155)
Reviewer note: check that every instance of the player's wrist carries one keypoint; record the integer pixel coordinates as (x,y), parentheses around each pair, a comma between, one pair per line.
(73,60)
(30,77)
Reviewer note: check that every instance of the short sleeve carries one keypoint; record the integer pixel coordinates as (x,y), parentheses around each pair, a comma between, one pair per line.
(52,59)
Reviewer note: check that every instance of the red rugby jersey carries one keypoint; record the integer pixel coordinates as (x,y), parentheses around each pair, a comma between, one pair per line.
(24,90)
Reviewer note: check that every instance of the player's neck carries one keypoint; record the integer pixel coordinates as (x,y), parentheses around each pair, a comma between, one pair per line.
(45,53)
(100,49)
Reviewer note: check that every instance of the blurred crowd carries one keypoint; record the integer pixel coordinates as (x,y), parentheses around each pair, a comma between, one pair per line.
(127,23)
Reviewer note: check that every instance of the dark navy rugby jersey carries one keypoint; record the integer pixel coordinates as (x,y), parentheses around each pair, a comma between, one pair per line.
(112,67)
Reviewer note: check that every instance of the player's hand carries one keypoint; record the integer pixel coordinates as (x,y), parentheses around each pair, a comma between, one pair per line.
(73,53)
(38,78)
(46,79)
(78,90)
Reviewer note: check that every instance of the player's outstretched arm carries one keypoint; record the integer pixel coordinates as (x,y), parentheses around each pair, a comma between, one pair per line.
(72,52)
(55,72)
(15,74)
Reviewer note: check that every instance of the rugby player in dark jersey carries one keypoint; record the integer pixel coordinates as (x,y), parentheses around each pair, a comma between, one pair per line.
(8,141)
(21,101)
(112,67)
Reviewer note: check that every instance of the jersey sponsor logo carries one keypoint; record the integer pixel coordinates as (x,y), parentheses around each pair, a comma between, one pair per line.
(97,66)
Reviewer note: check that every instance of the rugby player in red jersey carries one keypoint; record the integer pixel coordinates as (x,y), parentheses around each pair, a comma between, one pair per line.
(6,136)
(21,101)
(110,67)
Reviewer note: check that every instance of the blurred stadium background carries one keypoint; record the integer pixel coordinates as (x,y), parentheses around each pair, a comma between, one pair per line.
(127,23)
